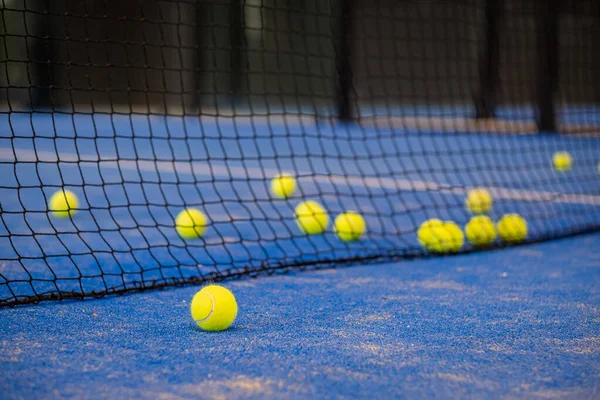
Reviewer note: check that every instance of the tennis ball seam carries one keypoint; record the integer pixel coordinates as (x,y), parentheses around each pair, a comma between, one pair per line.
(212,307)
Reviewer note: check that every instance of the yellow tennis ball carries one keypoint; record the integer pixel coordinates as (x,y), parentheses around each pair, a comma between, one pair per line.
(512,228)
(440,239)
(350,226)
(283,186)
(479,201)
(64,203)
(425,233)
(456,238)
(190,223)
(562,161)
(480,230)
(311,217)
(214,308)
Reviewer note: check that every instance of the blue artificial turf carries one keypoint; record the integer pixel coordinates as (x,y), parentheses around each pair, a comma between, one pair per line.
(522,322)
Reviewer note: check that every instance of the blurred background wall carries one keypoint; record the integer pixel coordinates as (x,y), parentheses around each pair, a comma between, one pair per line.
(176,56)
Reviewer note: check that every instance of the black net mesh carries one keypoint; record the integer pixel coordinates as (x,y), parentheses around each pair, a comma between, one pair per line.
(392,109)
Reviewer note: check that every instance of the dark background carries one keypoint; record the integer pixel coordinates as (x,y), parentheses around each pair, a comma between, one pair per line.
(174,56)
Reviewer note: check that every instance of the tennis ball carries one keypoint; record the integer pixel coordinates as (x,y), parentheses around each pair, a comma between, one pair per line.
(214,308)
(425,232)
(350,226)
(456,238)
(64,203)
(480,230)
(283,186)
(311,217)
(512,228)
(562,161)
(440,237)
(190,223)
(479,201)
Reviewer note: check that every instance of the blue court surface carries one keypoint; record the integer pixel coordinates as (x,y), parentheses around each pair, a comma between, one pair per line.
(522,322)
(513,322)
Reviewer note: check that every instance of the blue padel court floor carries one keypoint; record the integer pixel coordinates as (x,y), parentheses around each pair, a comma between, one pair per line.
(515,322)
(522,322)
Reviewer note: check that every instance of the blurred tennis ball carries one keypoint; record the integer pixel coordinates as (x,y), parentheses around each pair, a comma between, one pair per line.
(283,186)
(480,230)
(479,201)
(456,240)
(190,223)
(512,228)
(63,204)
(350,226)
(311,217)
(425,233)
(214,308)
(562,161)
(440,237)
